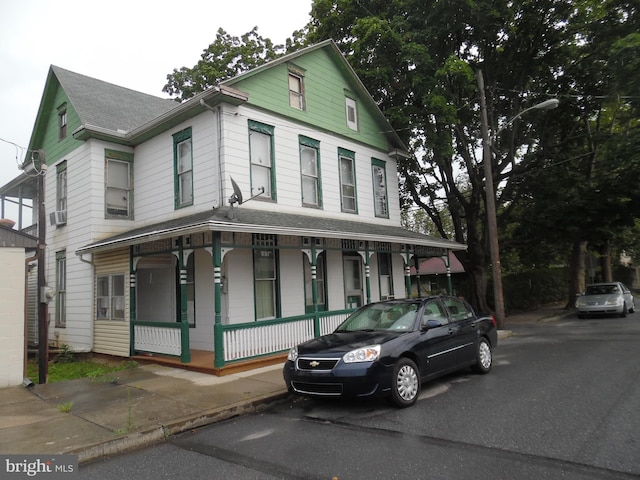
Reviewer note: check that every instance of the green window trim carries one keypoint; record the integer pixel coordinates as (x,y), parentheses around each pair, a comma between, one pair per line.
(61,187)
(262,167)
(61,289)
(266,277)
(62,121)
(348,185)
(183,168)
(380,193)
(310,174)
(114,158)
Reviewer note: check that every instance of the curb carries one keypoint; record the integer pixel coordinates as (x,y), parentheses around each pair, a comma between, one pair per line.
(157,434)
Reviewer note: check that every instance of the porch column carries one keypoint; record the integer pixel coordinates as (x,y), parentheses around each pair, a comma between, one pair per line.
(314,287)
(447,263)
(132,301)
(407,273)
(218,345)
(185,351)
(367,271)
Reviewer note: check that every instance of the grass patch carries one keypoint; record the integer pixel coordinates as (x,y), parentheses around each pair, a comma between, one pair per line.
(70,370)
(65,407)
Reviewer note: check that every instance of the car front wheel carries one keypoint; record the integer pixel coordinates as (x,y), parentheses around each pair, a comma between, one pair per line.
(624,310)
(484,358)
(406,383)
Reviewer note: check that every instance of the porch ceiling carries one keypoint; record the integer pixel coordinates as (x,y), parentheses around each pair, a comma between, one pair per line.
(248,220)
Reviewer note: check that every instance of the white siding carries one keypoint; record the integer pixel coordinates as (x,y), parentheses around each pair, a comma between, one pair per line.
(154,172)
(85,223)
(291,283)
(237,270)
(201,337)
(287,168)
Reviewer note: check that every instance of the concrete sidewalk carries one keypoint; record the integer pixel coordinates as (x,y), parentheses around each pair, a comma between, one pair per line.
(95,417)
(131,408)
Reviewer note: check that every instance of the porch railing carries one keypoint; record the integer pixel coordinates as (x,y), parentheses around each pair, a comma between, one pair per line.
(239,341)
(254,339)
(161,337)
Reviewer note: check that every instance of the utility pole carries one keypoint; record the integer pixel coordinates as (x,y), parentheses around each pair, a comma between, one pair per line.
(492,223)
(43,326)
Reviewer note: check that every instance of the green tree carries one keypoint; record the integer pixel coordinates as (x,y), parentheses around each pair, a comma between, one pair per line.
(225,58)
(419,60)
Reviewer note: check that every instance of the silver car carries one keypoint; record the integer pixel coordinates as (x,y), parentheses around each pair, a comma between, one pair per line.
(605,298)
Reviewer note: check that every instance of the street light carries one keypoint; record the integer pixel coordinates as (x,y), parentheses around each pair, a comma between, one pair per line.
(491,201)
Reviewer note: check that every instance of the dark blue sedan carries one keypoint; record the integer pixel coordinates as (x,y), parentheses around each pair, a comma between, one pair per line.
(389,348)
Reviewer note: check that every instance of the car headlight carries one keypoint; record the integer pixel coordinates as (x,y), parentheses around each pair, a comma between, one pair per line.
(615,301)
(293,354)
(580,302)
(365,354)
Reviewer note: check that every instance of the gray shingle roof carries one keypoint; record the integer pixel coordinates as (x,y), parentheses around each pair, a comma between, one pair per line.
(109,106)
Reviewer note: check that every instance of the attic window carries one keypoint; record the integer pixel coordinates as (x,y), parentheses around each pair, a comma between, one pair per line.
(296,87)
(62,121)
(352,113)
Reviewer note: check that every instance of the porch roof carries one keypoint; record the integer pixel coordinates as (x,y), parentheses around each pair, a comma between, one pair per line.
(246,220)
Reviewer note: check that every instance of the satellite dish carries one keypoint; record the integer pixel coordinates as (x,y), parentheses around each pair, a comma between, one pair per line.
(237,194)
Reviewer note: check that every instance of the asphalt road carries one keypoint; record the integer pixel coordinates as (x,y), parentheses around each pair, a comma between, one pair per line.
(562,401)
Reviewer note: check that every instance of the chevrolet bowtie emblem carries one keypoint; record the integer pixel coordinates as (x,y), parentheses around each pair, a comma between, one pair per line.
(314,363)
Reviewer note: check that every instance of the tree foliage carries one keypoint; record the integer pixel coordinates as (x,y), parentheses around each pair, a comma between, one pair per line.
(563,179)
(225,58)
(559,177)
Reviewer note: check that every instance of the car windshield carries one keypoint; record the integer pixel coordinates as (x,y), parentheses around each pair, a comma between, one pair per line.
(601,289)
(381,316)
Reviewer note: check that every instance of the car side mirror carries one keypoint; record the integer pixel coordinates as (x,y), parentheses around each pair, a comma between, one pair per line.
(430,323)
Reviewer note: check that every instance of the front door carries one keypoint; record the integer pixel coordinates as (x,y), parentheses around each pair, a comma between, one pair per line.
(353,281)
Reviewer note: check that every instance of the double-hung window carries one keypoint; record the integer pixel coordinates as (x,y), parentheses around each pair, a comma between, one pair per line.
(348,180)
(62,121)
(310,171)
(118,184)
(61,288)
(262,161)
(110,297)
(296,91)
(380,202)
(61,194)
(183,168)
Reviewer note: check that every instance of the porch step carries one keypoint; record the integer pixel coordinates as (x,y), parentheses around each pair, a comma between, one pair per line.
(202,361)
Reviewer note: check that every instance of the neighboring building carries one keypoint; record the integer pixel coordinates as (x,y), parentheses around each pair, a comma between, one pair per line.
(438,274)
(14,268)
(150,248)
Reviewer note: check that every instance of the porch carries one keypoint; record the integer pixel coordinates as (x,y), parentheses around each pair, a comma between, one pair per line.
(239,347)
(203,361)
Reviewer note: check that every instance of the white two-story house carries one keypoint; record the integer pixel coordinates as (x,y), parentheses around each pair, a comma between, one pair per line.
(253,216)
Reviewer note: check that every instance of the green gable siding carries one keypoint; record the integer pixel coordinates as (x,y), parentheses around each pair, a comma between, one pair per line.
(324,86)
(47,129)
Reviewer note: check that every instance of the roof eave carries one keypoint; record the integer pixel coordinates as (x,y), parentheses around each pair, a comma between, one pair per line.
(233,226)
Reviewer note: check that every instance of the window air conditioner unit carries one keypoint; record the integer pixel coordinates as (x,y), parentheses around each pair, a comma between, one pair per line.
(58,217)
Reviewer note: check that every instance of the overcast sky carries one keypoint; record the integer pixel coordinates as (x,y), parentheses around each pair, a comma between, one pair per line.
(131,43)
